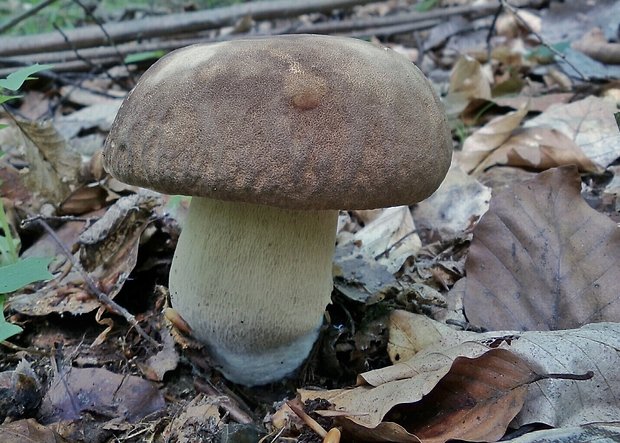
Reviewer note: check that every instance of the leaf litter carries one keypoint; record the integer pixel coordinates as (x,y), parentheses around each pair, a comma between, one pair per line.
(514,114)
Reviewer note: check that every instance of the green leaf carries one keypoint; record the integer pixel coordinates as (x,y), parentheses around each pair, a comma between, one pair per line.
(15,80)
(425,5)
(22,273)
(6,329)
(6,98)
(146,55)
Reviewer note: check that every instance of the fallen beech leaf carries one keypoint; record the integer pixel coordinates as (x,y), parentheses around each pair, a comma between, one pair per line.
(536,104)
(359,276)
(475,401)
(28,431)
(390,238)
(467,82)
(100,392)
(468,79)
(542,259)
(447,397)
(589,123)
(459,201)
(553,401)
(540,148)
(484,141)
(382,389)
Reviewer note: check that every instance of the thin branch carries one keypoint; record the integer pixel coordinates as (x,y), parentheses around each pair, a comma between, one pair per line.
(163,26)
(111,43)
(23,16)
(542,41)
(84,60)
(103,298)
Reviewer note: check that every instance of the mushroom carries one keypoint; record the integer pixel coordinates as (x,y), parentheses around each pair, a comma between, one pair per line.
(272,136)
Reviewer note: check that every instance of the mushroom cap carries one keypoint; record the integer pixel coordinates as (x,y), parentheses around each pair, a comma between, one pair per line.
(293,121)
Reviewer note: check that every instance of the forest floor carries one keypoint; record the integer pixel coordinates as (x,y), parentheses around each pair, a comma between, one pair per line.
(490,310)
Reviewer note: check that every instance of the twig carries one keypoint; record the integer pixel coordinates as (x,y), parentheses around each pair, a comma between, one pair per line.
(224,402)
(86,61)
(542,41)
(312,423)
(60,218)
(23,16)
(394,245)
(92,287)
(111,43)
(492,29)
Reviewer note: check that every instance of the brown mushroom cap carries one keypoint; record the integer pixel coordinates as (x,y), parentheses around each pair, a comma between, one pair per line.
(294,121)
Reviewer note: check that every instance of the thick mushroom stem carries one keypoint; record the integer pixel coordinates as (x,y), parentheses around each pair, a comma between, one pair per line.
(253,282)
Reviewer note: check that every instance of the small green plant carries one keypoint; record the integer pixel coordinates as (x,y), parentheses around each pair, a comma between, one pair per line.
(16,273)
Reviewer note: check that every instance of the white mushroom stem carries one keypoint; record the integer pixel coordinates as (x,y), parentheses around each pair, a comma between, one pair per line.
(253,282)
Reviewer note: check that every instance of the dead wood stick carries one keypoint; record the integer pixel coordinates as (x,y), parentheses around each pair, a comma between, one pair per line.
(171,24)
(391,20)
(69,60)
(371,26)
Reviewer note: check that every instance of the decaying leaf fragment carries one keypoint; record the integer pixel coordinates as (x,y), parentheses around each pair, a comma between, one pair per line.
(487,139)
(542,259)
(458,203)
(74,391)
(53,167)
(109,250)
(28,430)
(539,148)
(589,123)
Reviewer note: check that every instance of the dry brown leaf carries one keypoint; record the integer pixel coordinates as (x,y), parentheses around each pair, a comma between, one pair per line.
(199,419)
(485,140)
(100,392)
(165,360)
(108,252)
(459,201)
(467,82)
(555,402)
(53,167)
(28,431)
(595,45)
(390,238)
(359,276)
(539,148)
(475,401)
(542,259)
(536,104)
(467,79)
(448,396)
(590,123)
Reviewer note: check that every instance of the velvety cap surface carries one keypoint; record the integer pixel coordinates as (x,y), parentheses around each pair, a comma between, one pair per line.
(295,121)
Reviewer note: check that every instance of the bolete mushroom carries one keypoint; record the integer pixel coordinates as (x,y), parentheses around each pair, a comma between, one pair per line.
(272,136)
